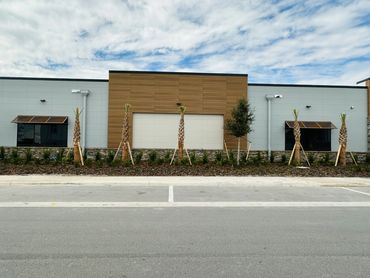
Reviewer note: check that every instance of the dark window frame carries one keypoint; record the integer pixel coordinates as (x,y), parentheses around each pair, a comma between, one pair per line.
(312,139)
(51,135)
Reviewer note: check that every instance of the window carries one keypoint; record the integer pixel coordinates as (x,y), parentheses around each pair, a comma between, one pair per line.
(312,139)
(42,135)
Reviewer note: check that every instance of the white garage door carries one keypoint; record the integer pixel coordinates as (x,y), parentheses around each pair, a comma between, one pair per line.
(159,131)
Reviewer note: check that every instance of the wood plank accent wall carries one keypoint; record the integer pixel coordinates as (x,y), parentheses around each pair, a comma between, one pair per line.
(159,93)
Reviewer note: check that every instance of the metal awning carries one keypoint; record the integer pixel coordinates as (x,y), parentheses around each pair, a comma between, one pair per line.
(23,119)
(312,124)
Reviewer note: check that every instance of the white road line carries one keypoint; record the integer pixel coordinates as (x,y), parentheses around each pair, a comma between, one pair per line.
(170,194)
(360,192)
(179,204)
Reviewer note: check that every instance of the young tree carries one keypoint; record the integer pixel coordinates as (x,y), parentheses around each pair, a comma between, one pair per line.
(241,121)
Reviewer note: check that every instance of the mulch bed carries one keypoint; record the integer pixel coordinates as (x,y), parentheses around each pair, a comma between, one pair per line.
(211,169)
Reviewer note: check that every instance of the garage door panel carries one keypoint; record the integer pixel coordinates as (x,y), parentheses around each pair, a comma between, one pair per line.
(159,131)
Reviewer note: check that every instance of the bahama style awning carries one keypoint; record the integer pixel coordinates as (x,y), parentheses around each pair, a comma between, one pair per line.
(23,119)
(312,124)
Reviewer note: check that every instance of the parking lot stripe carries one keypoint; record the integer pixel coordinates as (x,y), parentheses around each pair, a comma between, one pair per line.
(170,194)
(179,204)
(357,191)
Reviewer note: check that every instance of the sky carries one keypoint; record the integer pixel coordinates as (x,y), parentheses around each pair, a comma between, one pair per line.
(273,41)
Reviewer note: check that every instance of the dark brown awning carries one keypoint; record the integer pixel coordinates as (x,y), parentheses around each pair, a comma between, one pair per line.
(312,124)
(22,119)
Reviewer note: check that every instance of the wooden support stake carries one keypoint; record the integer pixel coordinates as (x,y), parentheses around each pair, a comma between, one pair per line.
(227,151)
(119,147)
(353,158)
(80,152)
(291,156)
(129,151)
(249,148)
(173,156)
(186,150)
(338,154)
(305,155)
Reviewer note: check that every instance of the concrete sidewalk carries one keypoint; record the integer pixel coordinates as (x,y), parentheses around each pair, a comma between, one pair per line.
(187,180)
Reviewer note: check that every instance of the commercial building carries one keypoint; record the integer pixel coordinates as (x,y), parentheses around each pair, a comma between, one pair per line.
(40,111)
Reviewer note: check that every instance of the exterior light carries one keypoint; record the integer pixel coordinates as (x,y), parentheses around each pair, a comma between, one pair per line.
(42,100)
(308,106)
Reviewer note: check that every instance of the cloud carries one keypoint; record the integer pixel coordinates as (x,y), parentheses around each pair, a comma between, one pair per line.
(273,41)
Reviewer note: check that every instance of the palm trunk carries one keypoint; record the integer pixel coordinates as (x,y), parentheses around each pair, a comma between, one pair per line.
(181,136)
(76,137)
(125,132)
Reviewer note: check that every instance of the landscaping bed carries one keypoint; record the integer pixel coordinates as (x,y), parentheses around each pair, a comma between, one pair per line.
(164,169)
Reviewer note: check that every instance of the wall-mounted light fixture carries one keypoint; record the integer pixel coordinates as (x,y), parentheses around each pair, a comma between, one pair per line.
(308,106)
(178,103)
(352,107)
(42,100)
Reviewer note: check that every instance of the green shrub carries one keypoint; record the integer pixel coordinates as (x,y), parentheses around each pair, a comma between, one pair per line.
(258,159)
(283,158)
(218,156)
(367,158)
(325,159)
(152,156)
(97,156)
(88,162)
(110,156)
(60,155)
(184,161)
(138,157)
(193,157)
(70,156)
(205,159)
(116,162)
(2,153)
(28,155)
(311,158)
(167,157)
(232,158)
(46,155)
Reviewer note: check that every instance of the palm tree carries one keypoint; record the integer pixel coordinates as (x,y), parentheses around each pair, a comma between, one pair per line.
(297,138)
(181,136)
(343,140)
(76,137)
(125,132)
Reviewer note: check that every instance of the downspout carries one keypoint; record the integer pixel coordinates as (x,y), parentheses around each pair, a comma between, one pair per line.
(269,98)
(84,94)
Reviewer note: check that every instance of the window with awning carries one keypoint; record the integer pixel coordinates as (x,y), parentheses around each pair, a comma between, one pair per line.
(315,135)
(41,131)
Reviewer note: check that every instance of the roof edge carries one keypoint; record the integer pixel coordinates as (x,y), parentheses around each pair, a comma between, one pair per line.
(179,72)
(307,85)
(51,79)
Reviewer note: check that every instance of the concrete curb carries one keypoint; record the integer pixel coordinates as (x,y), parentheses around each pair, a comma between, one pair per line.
(60,180)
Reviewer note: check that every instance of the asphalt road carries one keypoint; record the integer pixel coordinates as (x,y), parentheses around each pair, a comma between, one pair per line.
(184,242)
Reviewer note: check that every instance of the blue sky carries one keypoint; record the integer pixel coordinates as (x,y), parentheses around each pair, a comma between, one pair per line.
(310,42)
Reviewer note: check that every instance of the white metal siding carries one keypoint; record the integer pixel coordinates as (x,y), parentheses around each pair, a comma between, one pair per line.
(159,131)
(22,97)
(327,103)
